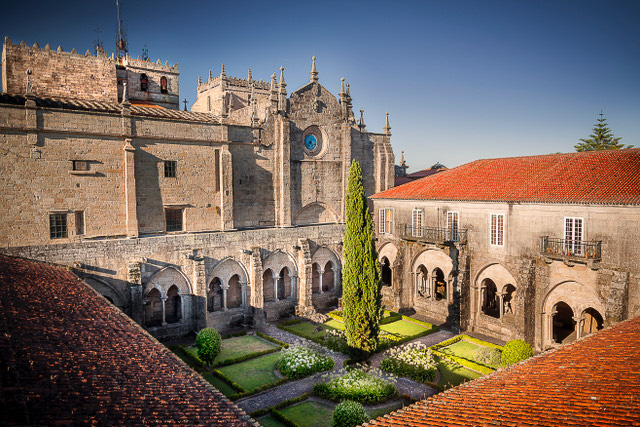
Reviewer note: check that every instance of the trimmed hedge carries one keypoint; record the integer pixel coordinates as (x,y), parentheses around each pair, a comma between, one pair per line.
(242,358)
(235,334)
(271,339)
(515,351)
(228,380)
(421,323)
(261,412)
(192,360)
(258,389)
(391,316)
(464,362)
(283,418)
(349,414)
(208,343)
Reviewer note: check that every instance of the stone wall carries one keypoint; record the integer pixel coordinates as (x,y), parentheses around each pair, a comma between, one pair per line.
(58,74)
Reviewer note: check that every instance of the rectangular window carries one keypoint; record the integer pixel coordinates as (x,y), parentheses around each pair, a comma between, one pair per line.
(497,230)
(173,218)
(79,223)
(58,225)
(452,226)
(385,219)
(170,167)
(416,223)
(80,165)
(573,228)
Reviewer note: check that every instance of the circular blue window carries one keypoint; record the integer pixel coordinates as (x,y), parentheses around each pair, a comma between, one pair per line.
(310,142)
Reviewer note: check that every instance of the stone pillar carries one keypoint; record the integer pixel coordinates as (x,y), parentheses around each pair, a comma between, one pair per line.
(224,287)
(131,213)
(226,189)
(275,285)
(243,286)
(321,272)
(501,302)
(550,330)
(164,314)
(578,321)
(294,286)
(135,288)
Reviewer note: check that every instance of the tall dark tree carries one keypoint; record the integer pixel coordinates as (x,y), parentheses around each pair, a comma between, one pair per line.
(361,297)
(601,139)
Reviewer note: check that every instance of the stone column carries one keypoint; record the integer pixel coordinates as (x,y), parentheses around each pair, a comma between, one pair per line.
(275,285)
(164,314)
(551,316)
(321,272)
(578,322)
(294,286)
(501,302)
(131,213)
(224,287)
(226,189)
(243,286)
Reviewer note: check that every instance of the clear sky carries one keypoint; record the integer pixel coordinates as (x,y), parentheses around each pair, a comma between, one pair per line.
(461,80)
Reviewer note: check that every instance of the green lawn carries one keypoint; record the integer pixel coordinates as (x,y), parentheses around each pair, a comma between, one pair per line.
(404,328)
(310,414)
(253,373)
(238,346)
(464,349)
(267,421)
(334,324)
(452,374)
(222,387)
(375,413)
(306,329)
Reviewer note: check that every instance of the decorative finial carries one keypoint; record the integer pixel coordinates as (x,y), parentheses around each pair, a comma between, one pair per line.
(282,83)
(125,94)
(342,92)
(250,77)
(314,71)
(402,160)
(210,75)
(199,80)
(387,128)
(222,73)
(361,124)
(185,104)
(273,82)
(29,87)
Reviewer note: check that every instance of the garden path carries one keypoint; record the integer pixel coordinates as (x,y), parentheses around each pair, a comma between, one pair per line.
(296,388)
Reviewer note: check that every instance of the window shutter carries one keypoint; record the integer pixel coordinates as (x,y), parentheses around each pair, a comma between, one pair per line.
(381,221)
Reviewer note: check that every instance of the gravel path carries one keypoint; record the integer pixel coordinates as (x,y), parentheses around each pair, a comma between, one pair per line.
(293,389)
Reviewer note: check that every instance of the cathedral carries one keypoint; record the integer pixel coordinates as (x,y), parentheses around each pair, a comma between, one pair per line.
(229,214)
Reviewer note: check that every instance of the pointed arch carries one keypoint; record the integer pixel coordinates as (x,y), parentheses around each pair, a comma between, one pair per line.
(315,213)
(107,290)
(226,268)
(167,276)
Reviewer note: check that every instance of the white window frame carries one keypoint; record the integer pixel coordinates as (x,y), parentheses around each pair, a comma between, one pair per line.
(574,237)
(383,216)
(417,221)
(453,225)
(496,236)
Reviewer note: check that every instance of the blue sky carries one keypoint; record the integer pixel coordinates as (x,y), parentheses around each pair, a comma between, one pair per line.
(462,80)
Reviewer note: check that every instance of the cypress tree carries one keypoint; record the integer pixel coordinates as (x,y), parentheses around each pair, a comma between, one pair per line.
(361,297)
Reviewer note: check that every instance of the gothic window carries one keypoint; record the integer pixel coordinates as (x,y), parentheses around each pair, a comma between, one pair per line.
(385,271)
(573,228)
(267,283)
(564,327)
(58,225)
(452,226)
(174,305)
(315,278)
(497,230)
(416,223)
(234,293)
(591,322)
(507,299)
(439,284)
(490,299)
(214,296)
(170,168)
(173,219)
(284,284)
(423,282)
(328,277)
(163,84)
(153,309)
(144,82)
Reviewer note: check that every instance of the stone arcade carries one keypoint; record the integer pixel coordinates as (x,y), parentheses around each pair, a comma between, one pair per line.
(223,215)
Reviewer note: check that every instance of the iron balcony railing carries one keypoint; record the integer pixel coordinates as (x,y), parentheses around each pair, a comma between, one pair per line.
(573,248)
(432,234)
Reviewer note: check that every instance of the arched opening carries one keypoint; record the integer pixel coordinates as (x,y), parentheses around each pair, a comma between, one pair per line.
(315,278)
(214,295)
(144,82)
(284,284)
(267,285)
(153,309)
(386,272)
(439,284)
(234,293)
(108,298)
(564,328)
(507,299)
(591,322)
(163,84)
(423,282)
(328,277)
(490,305)
(174,305)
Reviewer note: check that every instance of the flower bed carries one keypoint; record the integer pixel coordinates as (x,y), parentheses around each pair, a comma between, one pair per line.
(413,361)
(357,385)
(298,362)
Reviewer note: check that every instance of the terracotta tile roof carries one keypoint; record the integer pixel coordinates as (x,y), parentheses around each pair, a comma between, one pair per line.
(112,107)
(609,177)
(592,381)
(399,180)
(69,357)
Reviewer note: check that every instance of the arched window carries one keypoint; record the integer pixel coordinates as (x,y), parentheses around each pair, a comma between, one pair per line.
(153,309)
(267,289)
(163,84)
(385,271)
(234,293)
(174,305)
(214,296)
(144,82)
(423,282)
(591,322)
(439,284)
(490,301)
(284,284)
(564,328)
(507,298)
(328,277)
(315,278)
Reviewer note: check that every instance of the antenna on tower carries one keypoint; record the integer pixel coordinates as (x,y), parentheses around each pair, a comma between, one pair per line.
(121,37)
(145,53)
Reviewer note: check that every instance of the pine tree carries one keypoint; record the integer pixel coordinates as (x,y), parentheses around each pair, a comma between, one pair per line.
(361,297)
(601,139)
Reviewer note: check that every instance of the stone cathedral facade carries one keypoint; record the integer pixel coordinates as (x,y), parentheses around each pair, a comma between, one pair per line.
(227,214)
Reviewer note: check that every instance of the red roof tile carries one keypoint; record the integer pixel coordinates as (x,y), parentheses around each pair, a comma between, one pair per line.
(610,177)
(592,381)
(69,357)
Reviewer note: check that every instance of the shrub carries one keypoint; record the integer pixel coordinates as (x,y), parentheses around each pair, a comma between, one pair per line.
(336,340)
(413,361)
(516,350)
(298,362)
(208,342)
(488,356)
(356,385)
(349,414)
